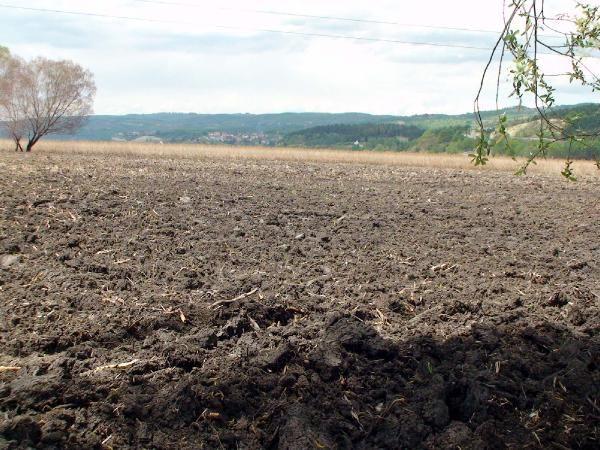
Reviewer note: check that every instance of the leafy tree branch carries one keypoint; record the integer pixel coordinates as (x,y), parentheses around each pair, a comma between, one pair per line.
(529,34)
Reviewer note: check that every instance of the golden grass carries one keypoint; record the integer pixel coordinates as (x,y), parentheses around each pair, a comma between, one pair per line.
(395,159)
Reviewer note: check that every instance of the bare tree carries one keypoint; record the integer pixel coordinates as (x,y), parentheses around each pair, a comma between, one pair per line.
(4,55)
(43,97)
(5,60)
(12,101)
(529,32)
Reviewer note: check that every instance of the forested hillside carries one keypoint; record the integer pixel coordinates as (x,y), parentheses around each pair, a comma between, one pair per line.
(425,132)
(179,127)
(183,127)
(370,136)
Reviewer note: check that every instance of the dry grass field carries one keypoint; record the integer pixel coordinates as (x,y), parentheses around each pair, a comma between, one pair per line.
(238,298)
(552,167)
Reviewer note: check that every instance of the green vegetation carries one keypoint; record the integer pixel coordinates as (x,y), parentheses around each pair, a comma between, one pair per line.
(181,127)
(589,149)
(420,133)
(368,136)
(523,136)
(448,139)
(455,134)
(490,118)
(580,119)
(520,43)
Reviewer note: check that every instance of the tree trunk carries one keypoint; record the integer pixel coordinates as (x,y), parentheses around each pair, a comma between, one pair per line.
(18,146)
(32,141)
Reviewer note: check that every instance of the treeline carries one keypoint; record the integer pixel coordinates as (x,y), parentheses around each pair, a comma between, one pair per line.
(450,139)
(459,140)
(578,120)
(581,118)
(587,149)
(390,136)
(370,136)
(445,140)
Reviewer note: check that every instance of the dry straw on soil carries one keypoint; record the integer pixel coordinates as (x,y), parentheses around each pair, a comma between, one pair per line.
(408,159)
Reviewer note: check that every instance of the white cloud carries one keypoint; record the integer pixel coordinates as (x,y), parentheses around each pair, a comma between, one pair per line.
(190,65)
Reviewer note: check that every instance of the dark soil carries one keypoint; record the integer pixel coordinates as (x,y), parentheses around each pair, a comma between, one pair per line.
(220,304)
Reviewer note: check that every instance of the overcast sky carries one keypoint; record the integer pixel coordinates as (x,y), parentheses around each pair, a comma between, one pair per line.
(184,62)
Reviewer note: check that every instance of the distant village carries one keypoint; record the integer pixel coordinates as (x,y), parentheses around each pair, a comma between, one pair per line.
(220,137)
(213,137)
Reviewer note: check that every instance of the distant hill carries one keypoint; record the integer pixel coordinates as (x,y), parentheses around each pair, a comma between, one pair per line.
(189,127)
(183,127)
(584,118)
(490,118)
(424,132)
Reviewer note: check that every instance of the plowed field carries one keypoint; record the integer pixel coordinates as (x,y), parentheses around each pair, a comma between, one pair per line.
(157,303)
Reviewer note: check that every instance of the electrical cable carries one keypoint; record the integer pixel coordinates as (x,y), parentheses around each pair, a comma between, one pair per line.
(321,17)
(235,28)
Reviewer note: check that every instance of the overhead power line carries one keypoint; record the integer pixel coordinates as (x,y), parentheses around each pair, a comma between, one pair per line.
(336,18)
(321,17)
(235,28)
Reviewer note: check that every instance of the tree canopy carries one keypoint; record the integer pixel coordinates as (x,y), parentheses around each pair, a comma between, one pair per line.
(43,96)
